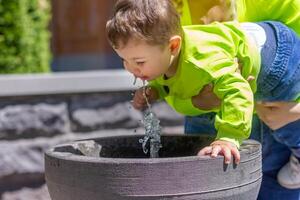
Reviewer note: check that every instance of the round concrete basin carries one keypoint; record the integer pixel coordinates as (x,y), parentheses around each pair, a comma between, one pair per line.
(118,169)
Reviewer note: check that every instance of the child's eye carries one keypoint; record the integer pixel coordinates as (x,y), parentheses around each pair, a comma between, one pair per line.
(140,63)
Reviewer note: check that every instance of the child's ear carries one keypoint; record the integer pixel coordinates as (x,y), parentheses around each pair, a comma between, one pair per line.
(175,44)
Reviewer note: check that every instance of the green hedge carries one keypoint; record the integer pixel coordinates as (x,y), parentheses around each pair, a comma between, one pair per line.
(24,36)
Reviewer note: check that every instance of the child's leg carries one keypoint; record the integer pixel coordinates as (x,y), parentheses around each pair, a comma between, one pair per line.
(274,156)
(279,80)
(202,124)
(289,175)
(289,135)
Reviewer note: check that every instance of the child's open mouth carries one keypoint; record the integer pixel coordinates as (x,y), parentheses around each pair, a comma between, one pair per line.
(144,78)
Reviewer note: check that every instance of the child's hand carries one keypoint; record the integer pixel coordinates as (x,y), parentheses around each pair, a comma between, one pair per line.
(139,102)
(224,148)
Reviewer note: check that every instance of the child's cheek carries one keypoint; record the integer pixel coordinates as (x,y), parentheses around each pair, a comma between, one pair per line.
(127,68)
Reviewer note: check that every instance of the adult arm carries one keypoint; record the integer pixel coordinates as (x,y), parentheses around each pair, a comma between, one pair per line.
(278,114)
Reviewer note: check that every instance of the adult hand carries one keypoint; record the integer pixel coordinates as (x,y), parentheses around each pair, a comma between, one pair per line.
(278,114)
(222,147)
(206,99)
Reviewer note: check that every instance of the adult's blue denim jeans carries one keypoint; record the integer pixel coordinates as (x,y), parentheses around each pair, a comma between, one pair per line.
(279,80)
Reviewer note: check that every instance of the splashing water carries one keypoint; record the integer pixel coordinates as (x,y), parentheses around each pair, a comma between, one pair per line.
(152,129)
(152,133)
(88,148)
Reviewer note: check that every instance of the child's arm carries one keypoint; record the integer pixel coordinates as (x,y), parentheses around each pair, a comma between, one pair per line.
(233,122)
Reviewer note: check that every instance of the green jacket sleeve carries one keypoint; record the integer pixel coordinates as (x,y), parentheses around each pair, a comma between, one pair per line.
(233,122)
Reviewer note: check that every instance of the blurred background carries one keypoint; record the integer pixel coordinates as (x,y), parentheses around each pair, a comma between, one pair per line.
(55,35)
(78,35)
(61,81)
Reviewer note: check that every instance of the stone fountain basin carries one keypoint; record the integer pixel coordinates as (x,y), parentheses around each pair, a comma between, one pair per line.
(123,171)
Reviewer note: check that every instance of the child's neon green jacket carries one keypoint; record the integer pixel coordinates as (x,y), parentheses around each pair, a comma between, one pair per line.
(208,55)
(285,11)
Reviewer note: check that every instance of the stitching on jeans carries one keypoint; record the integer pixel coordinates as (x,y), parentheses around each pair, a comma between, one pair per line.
(279,65)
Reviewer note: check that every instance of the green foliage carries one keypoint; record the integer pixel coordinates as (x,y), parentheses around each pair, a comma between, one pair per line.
(24,36)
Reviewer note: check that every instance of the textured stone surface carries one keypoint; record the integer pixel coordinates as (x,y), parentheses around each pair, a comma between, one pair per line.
(167,115)
(28,121)
(40,193)
(122,115)
(87,112)
(92,101)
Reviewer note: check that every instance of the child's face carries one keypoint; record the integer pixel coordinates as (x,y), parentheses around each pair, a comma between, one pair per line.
(145,61)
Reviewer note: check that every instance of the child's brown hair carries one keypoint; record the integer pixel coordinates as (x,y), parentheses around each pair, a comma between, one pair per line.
(153,21)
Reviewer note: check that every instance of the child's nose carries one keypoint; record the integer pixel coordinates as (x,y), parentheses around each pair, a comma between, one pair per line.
(133,69)
(136,71)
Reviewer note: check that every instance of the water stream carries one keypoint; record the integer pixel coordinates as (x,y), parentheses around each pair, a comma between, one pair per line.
(152,129)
